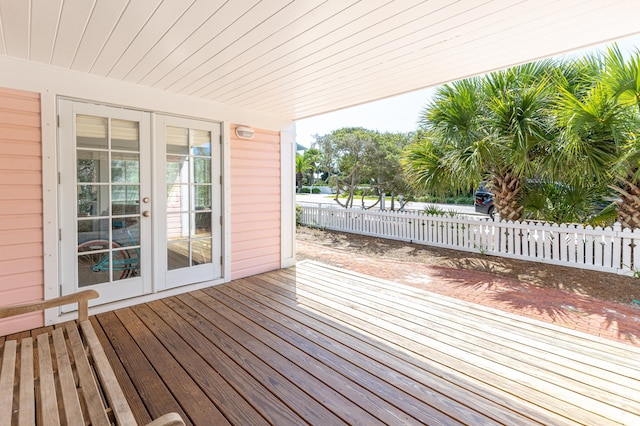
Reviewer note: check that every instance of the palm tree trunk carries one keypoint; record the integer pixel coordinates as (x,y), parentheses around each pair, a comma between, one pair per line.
(506,197)
(629,204)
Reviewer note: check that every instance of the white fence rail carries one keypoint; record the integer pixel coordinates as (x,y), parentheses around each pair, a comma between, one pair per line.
(611,249)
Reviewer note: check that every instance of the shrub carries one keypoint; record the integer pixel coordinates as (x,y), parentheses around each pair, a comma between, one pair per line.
(304,191)
(298,215)
(315,191)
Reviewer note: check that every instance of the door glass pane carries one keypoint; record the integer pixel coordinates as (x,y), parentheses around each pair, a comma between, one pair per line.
(125,135)
(177,198)
(177,140)
(201,143)
(125,167)
(189,197)
(93,229)
(93,200)
(92,132)
(177,169)
(125,199)
(178,255)
(93,166)
(202,173)
(203,224)
(201,251)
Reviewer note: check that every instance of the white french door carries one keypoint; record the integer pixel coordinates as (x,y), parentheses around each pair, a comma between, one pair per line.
(139,212)
(105,194)
(188,233)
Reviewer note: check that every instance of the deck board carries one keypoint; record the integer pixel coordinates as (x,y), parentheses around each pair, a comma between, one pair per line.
(319,345)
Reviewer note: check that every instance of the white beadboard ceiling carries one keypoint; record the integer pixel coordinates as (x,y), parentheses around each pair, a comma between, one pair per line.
(295,59)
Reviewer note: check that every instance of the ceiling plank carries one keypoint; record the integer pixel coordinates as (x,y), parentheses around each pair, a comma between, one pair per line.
(72,23)
(158,26)
(199,13)
(136,15)
(259,40)
(224,17)
(105,16)
(255,17)
(15,27)
(45,17)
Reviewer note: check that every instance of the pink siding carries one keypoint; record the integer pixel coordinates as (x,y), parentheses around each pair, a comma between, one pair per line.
(21,250)
(255,203)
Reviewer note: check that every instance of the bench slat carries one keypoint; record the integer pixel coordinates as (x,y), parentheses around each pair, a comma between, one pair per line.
(95,407)
(27,412)
(6,381)
(110,384)
(48,398)
(72,409)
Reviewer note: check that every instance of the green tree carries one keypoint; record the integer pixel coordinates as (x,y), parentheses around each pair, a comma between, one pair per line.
(493,128)
(597,145)
(313,157)
(302,165)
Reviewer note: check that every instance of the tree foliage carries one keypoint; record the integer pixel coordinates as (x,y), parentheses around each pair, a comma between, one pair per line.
(365,162)
(570,127)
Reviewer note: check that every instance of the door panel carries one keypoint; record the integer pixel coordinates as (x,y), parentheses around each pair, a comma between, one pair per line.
(191,233)
(104,175)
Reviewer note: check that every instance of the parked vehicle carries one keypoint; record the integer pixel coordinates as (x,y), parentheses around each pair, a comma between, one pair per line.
(484,200)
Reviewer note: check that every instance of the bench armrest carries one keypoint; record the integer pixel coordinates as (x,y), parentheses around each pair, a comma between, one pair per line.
(81,298)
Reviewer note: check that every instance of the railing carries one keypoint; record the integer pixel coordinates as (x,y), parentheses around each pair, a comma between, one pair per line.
(610,249)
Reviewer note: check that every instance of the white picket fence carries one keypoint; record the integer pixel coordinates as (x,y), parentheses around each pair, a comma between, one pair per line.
(611,249)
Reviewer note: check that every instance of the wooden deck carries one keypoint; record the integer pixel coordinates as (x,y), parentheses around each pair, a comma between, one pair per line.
(324,346)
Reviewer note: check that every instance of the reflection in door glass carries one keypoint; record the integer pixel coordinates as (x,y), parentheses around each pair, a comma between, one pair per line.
(108,197)
(189,197)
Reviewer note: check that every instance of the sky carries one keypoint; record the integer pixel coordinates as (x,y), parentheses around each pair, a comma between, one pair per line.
(396,114)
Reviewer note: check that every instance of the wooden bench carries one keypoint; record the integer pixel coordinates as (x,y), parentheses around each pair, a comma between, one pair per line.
(62,377)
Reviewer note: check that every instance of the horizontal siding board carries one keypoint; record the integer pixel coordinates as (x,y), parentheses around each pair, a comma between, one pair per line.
(263,253)
(21,148)
(252,217)
(241,245)
(21,177)
(21,323)
(17,251)
(267,181)
(21,238)
(13,222)
(22,280)
(20,119)
(246,269)
(17,162)
(245,192)
(19,266)
(19,133)
(251,163)
(22,192)
(242,236)
(12,237)
(252,226)
(13,207)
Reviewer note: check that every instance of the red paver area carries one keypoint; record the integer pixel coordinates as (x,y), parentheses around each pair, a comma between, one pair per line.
(611,320)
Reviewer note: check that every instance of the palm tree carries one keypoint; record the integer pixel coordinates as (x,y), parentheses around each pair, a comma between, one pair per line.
(493,128)
(598,119)
(302,165)
(623,79)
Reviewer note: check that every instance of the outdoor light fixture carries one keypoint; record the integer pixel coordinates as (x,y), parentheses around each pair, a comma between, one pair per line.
(244,132)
